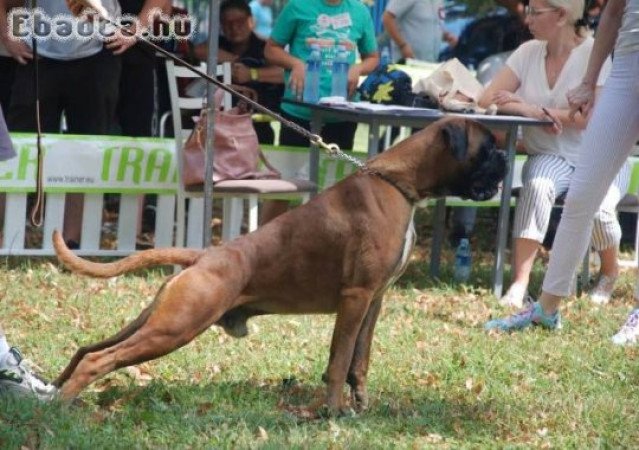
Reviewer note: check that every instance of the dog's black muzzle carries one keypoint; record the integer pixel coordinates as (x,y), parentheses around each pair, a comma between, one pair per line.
(481,180)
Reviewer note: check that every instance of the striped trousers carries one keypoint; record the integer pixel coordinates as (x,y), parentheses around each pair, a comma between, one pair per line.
(612,132)
(547,177)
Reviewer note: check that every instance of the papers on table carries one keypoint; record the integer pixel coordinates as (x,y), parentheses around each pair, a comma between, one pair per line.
(377,107)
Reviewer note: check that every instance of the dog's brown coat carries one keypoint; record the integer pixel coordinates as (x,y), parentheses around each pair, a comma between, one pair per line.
(334,254)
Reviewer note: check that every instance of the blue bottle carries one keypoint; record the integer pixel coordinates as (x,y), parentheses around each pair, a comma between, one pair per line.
(462,261)
(339,80)
(384,59)
(312,82)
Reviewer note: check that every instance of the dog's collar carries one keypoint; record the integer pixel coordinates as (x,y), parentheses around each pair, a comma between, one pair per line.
(407,195)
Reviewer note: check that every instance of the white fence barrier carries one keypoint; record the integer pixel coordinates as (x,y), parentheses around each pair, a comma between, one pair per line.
(98,165)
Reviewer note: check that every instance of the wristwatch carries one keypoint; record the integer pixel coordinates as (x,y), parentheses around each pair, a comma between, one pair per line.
(254,74)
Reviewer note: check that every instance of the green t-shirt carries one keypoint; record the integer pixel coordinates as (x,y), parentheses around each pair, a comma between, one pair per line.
(303,23)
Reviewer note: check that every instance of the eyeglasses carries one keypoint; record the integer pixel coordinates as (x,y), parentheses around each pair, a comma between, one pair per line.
(533,12)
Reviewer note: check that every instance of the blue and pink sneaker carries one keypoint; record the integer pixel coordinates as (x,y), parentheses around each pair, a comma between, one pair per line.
(532,315)
(629,333)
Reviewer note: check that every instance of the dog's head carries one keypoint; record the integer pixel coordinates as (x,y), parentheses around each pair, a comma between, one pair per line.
(469,164)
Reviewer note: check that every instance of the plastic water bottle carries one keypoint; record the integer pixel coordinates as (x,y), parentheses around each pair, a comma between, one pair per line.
(312,82)
(384,58)
(462,261)
(339,87)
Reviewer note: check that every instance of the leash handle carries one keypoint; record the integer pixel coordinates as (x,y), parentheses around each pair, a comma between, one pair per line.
(37,212)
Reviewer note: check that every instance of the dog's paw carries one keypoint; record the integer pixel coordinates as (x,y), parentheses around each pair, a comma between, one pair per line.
(359,400)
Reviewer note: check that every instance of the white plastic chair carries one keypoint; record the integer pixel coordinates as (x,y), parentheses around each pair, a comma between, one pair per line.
(233,192)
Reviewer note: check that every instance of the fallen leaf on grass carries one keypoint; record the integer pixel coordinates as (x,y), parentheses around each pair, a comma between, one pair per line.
(203,408)
(474,387)
(430,380)
(262,435)
(140,374)
(542,432)
(434,438)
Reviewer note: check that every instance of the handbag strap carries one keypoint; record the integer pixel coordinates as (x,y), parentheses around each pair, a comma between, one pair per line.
(266,162)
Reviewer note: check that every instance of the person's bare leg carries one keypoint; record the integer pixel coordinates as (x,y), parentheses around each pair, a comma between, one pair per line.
(549,303)
(524,253)
(523,260)
(601,292)
(609,262)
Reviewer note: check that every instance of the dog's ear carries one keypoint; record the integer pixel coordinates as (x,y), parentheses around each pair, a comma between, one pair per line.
(456,138)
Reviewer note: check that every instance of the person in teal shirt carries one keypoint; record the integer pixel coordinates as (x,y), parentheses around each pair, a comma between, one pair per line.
(327,24)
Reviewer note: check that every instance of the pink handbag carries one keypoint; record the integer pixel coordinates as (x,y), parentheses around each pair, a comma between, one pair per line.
(236,153)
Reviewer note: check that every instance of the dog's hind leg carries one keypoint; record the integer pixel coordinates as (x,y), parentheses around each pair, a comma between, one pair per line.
(120,336)
(358,369)
(189,303)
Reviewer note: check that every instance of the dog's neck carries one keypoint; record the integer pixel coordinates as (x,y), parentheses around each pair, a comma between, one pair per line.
(410,198)
(408,166)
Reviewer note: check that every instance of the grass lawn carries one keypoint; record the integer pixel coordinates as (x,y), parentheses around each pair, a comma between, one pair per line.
(437,380)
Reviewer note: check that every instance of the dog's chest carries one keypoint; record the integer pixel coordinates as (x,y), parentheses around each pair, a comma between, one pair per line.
(407,248)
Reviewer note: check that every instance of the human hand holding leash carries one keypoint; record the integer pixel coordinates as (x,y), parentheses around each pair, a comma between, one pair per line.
(120,41)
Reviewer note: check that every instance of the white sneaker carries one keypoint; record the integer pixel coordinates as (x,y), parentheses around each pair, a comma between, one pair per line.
(516,296)
(601,293)
(629,333)
(16,377)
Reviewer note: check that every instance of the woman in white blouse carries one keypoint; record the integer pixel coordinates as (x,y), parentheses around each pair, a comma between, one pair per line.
(534,83)
(611,134)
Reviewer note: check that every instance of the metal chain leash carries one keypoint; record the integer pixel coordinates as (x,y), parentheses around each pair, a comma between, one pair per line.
(339,154)
(331,148)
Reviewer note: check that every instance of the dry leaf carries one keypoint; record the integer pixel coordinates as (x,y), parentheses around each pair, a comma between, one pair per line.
(434,438)
(469,384)
(203,408)
(262,435)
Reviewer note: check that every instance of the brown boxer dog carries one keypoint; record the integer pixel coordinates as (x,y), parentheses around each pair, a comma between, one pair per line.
(337,253)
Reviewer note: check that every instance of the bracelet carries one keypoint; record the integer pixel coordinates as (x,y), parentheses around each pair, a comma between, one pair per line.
(254,74)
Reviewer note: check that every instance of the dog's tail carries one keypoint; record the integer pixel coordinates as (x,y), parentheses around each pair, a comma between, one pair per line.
(147,258)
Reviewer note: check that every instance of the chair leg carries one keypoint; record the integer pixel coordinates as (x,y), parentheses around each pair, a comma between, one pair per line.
(438,236)
(226,219)
(181,221)
(253,212)
(195,226)
(179,228)
(232,212)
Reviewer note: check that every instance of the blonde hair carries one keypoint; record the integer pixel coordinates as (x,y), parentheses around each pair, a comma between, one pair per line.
(574,11)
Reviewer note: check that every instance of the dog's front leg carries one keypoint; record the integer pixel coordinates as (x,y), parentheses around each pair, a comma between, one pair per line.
(358,369)
(351,311)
